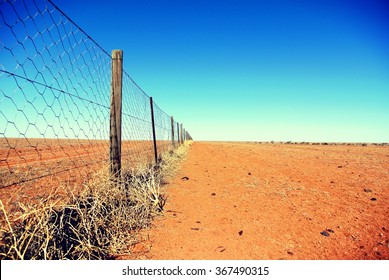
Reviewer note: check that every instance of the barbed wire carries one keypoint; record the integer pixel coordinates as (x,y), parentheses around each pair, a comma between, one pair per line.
(54,98)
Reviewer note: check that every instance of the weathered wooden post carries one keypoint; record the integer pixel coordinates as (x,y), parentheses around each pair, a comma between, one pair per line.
(181,134)
(172,124)
(116,114)
(153,125)
(178,134)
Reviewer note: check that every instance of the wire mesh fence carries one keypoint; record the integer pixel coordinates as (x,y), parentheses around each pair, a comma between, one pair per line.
(55,84)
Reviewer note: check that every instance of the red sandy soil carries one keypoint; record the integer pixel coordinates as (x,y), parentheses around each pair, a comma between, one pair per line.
(274,201)
(31,169)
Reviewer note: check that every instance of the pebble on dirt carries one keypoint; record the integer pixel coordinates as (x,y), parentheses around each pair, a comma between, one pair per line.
(185,178)
(325,233)
(367,190)
(240,232)
(220,249)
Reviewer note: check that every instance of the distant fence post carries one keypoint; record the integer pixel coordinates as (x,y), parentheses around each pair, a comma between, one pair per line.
(115,143)
(172,124)
(178,134)
(181,134)
(153,124)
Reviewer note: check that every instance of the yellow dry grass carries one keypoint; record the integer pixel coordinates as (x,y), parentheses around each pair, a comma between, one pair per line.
(98,222)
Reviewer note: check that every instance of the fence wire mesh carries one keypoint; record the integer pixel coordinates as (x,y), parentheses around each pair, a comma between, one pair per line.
(55,103)
(163,129)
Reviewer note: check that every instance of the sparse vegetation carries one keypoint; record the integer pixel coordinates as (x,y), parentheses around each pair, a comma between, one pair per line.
(97,222)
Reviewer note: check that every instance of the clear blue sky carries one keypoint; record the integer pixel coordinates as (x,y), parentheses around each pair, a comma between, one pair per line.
(254,70)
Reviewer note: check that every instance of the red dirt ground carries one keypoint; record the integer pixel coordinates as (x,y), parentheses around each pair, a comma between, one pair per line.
(264,201)
(31,169)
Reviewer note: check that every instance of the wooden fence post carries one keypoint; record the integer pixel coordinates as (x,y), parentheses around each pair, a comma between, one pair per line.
(172,124)
(153,124)
(178,134)
(116,114)
(181,127)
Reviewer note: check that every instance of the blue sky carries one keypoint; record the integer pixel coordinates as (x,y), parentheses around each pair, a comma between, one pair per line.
(254,70)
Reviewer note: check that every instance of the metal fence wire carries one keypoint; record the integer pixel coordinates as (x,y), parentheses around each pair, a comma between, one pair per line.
(55,103)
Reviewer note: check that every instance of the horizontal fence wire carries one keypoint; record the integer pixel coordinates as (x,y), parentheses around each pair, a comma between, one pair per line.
(55,84)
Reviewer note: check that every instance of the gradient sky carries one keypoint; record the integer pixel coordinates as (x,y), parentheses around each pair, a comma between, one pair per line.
(254,70)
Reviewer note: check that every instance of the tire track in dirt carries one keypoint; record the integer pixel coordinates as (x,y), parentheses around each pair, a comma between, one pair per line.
(262,201)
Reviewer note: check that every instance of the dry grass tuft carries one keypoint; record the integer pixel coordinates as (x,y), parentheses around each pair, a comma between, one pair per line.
(98,222)
(170,161)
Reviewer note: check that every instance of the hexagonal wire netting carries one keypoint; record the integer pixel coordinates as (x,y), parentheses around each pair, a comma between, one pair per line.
(55,101)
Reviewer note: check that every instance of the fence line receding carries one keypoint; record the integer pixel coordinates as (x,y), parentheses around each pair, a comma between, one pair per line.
(56,114)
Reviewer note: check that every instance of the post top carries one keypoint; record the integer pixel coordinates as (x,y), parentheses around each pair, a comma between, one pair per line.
(117,54)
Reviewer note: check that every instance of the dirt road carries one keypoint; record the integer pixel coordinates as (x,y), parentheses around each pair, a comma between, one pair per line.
(264,201)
